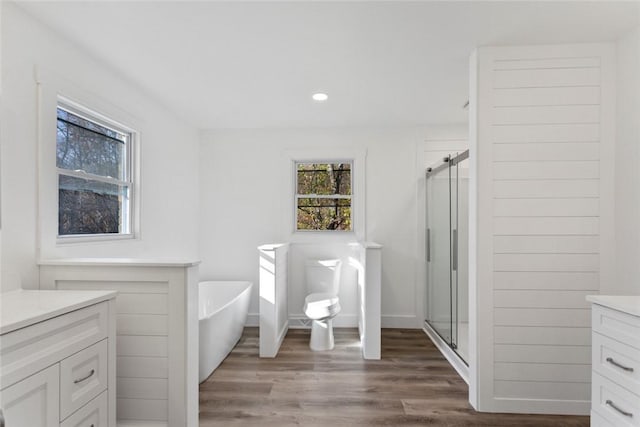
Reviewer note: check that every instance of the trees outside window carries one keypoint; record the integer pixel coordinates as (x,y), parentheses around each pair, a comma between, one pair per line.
(323,196)
(93,161)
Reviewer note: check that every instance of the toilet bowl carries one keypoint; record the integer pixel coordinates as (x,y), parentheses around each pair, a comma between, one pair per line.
(322,304)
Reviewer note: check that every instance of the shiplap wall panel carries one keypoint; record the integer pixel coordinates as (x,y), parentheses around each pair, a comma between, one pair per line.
(550,225)
(546,207)
(141,345)
(142,367)
(543,390)
(549,188)
(552,354)
(561,372)
(546,63)
(551,317)
(541,335)
(540,298)
(546,77)
(548,133)
(569,280)
(142,388)
(546,151)
(546,170)
(546,244)
(584,95)
(546,114)
(129,303)
(142,409)
(546,262)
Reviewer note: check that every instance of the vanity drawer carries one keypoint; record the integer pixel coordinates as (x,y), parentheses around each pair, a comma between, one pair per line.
(28,350)
(598,421)
(614,403)
(617,325)
(83,376)
(93,414)
(617,362)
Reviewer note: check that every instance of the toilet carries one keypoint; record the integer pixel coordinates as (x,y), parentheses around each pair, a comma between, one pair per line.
(321,304)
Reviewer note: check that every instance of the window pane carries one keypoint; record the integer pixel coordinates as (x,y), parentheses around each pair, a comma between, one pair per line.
(324,214)
(89,207)
(324,178)
(87,146)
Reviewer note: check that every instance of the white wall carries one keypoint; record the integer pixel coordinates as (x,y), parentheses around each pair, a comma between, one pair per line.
(543,165)
(169,152)
(243,173)
(627,167)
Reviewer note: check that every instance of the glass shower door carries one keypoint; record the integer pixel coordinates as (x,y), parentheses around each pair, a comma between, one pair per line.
(447,239)
(439,309)
(459,255)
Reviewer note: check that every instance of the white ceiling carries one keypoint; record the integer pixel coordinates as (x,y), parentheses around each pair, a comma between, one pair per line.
(252,65)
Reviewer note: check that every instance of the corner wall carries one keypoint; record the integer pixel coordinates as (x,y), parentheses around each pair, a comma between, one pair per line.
(542,143)
(627,195)
(169,154)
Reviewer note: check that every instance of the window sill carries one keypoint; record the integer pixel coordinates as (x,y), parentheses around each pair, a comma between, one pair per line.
(93,238)
(323,237)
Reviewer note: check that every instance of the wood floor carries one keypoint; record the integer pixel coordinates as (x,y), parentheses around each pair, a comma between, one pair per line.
(413,385)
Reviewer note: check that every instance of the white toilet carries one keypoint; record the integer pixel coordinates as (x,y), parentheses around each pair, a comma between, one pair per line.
(322,304)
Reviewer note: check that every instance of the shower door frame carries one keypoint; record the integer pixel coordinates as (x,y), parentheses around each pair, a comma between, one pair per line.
(447,163)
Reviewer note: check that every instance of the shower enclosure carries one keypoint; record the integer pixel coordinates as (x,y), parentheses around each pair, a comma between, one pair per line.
(447,238)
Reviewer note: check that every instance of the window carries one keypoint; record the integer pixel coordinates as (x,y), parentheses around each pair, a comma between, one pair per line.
(93,159)
(323,196)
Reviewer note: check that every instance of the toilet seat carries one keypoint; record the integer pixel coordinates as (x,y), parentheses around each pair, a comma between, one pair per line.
(321,306)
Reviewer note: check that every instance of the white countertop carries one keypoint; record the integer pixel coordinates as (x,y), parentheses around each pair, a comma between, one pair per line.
(629,304)
(21,308)
(134,262)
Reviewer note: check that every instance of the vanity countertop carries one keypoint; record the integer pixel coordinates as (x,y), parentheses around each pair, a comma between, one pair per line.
(629,304)
(21,308)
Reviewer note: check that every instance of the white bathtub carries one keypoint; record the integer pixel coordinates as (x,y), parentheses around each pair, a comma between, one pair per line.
(222,310)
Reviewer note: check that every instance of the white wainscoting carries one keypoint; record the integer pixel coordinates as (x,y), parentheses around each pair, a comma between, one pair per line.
(156,333)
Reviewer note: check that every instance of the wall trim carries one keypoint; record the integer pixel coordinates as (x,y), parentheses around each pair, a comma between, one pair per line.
(297,321)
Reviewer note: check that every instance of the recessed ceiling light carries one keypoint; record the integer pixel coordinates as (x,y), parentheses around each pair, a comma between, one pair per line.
(320,96)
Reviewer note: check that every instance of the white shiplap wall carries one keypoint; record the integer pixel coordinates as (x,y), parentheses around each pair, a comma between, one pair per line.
(156,336)
(544,168)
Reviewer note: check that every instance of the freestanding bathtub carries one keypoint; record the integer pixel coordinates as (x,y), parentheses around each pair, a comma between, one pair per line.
(222,310)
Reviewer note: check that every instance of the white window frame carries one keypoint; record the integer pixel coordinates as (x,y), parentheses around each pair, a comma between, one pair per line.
(53,89)
(127,215)
(323,196)
(357,158)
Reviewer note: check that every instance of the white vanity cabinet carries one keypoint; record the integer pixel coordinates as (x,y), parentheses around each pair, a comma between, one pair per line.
(615,378)
(57,358)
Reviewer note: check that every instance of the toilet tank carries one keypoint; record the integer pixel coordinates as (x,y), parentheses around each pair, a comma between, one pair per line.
(322,276)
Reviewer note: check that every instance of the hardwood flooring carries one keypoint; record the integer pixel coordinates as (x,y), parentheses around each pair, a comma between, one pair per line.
(413,385)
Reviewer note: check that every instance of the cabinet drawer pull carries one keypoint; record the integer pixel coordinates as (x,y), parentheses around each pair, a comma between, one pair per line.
(79,380)
(613,405)
(614,363)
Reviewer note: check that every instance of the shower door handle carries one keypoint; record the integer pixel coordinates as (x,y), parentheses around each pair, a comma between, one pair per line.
(428,245)
(454,255)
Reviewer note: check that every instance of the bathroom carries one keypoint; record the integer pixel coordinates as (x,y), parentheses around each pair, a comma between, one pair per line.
(214,178)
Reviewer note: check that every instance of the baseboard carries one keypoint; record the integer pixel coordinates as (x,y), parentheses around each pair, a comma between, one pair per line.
(541,406)
(400,321)
(299,321)
(253,320)
(461,368)
(137,423)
